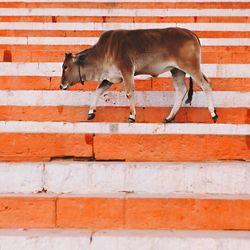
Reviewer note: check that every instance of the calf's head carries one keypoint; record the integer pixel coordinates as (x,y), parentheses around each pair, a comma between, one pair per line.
(71,71)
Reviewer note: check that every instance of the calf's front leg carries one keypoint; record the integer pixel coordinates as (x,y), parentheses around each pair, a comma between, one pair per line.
(131,97)
(129,88)
(105,84)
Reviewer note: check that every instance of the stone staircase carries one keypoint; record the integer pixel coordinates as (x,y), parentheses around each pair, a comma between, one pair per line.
(66,183)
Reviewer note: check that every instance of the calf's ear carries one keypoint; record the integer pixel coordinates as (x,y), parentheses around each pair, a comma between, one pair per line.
(68,55)
(74,58)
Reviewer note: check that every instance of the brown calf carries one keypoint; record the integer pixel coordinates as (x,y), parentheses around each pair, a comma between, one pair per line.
(119,55)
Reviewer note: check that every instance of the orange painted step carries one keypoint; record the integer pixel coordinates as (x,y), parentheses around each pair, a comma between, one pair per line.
(153,213)
(155,84)
(172,148)
(125,213)
(120,114)
(56,33)
(127,19)
(218,84)
(37,53)
(129,5)
(27,212)
(42,147)
(96,33)
(55,53)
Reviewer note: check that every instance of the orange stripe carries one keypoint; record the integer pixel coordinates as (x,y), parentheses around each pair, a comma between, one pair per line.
(218,84)
(43,147)
(124,213)
(36,53)
(187,214)
(55,53)
(223,34)
(17,212)
(52,33)
(120,114)
(153,213)
(127,19)
(129,5)
(95,33)
(51,48)
(171,147)
(155,84)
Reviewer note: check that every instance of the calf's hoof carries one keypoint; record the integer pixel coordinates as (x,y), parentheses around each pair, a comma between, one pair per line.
(131,120)
(215,118)
(91,116)
(169,120)
(188,101)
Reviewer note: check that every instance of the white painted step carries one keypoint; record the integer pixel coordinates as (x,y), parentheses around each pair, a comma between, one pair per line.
(92,40)
(122,12)
(110,26)
(223,99)
(44,239)
(71,177)
(124,128)
(55,69)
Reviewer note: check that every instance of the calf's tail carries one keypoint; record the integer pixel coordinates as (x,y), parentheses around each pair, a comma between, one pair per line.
(190,91)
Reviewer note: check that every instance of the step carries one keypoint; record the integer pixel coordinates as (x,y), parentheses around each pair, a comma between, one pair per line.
(96,33)
(109,26)
(42,141)
(112,1)
(127,19)
(165,5)
(72,177)
(44,239)
(55,69)
(126,211)
(209,44)
(120,114)
(146,84)
(124,9)
(222,99)
(230,51)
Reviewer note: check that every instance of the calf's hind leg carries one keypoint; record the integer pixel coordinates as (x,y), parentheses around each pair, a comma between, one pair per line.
(181,90)
(203,82)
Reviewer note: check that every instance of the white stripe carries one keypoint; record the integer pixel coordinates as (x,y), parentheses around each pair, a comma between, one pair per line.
(123,195)
(93,40)
(110,26)
(113,1)
(232,99)
(124,128)
(55,69)
(21,177)
(225,41)
(174,240)
(65,239)
(146,178)
(70,177)
(121,12)
(42,239)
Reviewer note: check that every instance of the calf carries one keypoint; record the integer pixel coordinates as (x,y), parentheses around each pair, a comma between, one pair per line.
(120,55)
